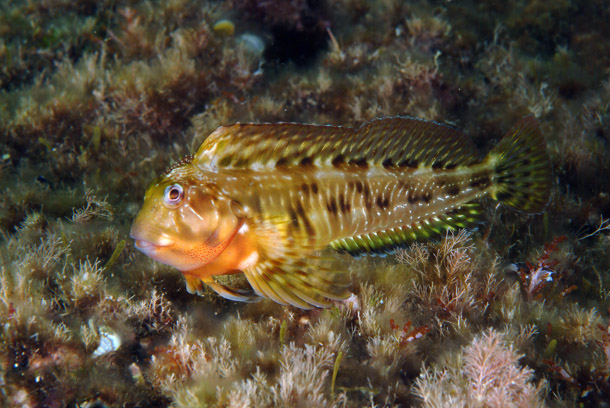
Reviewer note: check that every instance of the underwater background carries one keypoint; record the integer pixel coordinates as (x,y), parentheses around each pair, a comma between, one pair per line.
(99,97)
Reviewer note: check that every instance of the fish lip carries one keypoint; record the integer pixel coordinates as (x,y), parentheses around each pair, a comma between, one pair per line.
(145,246)
(149,243)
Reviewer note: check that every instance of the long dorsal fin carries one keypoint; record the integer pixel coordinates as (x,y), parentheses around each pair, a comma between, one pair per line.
(394,141)
(387,241)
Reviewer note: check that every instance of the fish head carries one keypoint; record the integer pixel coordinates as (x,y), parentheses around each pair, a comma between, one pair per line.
(184,222)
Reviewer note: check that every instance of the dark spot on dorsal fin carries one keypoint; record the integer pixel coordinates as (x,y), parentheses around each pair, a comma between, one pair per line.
(450,166)
(338,160)
(437,165)
(314,188)
(241,162)
(306,161)
(360,162)
(387,163)
(281,162)
(225,161)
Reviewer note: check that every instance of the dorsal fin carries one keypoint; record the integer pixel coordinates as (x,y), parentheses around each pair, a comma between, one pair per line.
(395,141)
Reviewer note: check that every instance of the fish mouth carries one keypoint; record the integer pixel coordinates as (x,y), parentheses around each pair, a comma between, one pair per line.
(145,246)
(151,248)
(158,243)
(147,242)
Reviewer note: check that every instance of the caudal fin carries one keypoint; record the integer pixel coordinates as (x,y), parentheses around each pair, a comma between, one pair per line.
(523,174)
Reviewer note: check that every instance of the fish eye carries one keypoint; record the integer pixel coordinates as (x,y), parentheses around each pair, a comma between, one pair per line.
(173,194)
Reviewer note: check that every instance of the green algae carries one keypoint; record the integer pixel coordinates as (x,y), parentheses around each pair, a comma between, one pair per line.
(283,329)
(115,255)
(335,371)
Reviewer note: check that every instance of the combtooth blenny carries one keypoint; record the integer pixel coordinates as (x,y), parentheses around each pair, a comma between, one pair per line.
(263,198)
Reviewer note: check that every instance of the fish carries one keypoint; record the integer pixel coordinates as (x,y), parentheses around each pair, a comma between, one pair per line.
(265,199)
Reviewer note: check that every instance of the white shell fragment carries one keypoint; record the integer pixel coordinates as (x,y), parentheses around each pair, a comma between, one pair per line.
(252,43)
(109,342)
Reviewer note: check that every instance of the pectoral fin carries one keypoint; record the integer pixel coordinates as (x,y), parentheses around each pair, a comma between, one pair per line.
(298,285)
(283,275)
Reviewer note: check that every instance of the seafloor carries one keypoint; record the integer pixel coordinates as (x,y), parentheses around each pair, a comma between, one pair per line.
(98,97)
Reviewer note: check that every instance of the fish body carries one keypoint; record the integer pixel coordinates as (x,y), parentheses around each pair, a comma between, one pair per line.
(263,198)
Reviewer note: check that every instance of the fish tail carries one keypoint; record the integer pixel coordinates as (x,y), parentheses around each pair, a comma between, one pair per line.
(522,169)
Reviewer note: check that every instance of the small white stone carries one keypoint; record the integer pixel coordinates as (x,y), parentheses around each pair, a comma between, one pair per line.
(109,342)
(252,43)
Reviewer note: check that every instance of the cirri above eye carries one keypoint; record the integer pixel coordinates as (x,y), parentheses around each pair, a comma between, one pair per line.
(173,194)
